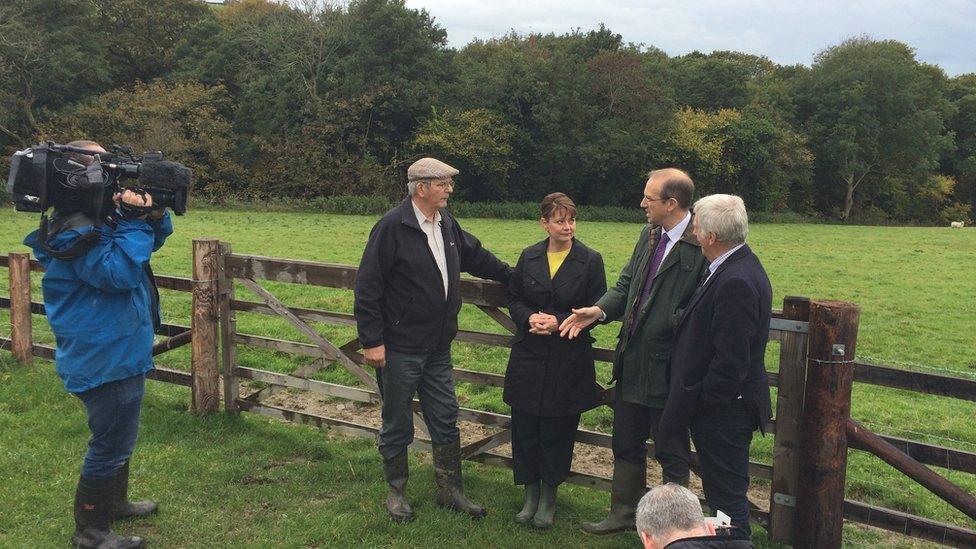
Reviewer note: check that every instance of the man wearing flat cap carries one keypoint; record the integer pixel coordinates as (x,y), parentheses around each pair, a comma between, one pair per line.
(407,303)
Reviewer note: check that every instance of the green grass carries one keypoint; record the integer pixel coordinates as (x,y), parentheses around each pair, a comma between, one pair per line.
(914,286)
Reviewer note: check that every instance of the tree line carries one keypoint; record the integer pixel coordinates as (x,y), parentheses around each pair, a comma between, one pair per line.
(265,99)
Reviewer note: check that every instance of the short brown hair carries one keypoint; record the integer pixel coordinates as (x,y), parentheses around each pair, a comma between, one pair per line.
(676,184)
(557,201)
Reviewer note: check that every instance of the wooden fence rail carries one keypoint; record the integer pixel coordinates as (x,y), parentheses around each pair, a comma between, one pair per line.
(214,335)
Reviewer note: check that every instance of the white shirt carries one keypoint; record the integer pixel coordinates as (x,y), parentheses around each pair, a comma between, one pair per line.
(435,240)
(714,265)
(674,235)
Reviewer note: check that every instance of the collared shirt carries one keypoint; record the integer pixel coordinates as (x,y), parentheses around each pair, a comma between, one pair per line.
(721,259)
(435,240)
(675,234)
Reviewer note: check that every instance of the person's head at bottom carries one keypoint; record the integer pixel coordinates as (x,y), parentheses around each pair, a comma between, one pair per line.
(669,513)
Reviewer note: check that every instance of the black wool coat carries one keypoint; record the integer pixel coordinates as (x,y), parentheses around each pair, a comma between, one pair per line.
(550,375)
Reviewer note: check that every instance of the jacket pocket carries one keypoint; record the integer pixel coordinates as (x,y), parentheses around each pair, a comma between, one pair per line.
(404,311)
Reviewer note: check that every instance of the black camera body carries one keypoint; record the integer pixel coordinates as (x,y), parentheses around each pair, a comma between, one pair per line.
(45,176)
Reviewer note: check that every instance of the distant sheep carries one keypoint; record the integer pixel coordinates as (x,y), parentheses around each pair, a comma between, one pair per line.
(957,224)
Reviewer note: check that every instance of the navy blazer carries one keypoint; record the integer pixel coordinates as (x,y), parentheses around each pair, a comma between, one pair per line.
(720,344)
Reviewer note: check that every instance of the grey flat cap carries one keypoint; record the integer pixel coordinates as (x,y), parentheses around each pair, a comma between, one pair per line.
(430,168)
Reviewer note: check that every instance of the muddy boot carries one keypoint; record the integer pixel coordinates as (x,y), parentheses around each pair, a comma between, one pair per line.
(447,472)
(546,513)
(531,503)
(396,471)
(94,509)
(125,508)
(628,486)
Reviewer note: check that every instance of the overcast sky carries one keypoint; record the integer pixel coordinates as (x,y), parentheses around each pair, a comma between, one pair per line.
(943,32)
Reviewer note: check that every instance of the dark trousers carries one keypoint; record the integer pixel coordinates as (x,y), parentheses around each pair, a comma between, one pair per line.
(542,447)
(632,423)
(113,418)
(722,435)
(430,377)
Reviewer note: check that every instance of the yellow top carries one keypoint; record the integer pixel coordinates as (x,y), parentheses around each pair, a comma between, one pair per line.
(555,261)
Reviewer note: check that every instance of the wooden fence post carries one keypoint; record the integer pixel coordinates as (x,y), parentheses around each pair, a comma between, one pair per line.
(205,384)
(21,342)
(228,331)
(789,412)
(819,518)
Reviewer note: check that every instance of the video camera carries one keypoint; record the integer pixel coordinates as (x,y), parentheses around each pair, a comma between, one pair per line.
(46,175)
(50,175)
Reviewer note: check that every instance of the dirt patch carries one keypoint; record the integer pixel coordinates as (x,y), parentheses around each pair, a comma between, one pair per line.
(592,460)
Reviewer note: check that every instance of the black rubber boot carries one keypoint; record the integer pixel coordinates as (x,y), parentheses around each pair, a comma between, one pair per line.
(629,480)
(530,504)
(546,513)
(447,472)
(94,509)
(125,508)
(396,472)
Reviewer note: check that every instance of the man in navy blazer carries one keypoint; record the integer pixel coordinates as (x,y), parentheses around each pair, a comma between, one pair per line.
(718,385)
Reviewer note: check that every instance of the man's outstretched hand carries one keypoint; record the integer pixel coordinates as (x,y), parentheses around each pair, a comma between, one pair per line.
(580,320)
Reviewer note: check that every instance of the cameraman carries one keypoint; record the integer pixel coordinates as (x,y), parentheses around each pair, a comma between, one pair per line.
(102,307)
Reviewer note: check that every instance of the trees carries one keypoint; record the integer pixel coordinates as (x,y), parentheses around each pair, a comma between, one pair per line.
(43,63)
(872,112)
(479,144)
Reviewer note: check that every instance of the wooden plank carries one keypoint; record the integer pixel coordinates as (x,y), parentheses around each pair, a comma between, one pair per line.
(177,283)
(500,317)
(228,330)
(280,345)
(909,525)
(789,410)
(34,264)
(204,363)
(476,292)
(43,351)
(479,378)
(317,339)
(311,385)
(919,382)
(21,329)
(930,454)
(172,343)
(168,375)
(935,483)
(492,441)
(818,520)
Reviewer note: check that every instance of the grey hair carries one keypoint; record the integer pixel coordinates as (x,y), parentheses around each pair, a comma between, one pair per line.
(725,215)
(667,509)
(412,185)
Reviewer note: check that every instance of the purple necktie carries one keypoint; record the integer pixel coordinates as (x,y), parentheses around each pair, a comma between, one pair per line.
(662,244)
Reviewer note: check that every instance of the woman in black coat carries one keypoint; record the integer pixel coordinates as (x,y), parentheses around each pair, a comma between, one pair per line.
(550,380)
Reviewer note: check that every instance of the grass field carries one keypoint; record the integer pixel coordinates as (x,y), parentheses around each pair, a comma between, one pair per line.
(248,481)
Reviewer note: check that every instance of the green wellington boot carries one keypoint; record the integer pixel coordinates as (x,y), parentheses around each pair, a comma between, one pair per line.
(447,473)
(396,470)
(530,504)
(629,480)
(94,509)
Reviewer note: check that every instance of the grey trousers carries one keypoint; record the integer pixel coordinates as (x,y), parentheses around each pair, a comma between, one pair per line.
(429,376)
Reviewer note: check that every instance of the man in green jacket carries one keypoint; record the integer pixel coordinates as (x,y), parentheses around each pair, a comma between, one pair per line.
(649,297)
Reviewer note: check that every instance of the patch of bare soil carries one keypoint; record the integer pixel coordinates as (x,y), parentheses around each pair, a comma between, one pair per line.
(589,459)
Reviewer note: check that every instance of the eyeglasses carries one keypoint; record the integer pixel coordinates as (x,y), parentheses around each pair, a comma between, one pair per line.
(444,184)
(661,199)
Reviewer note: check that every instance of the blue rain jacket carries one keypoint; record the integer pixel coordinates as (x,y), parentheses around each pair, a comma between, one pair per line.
(100,304)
